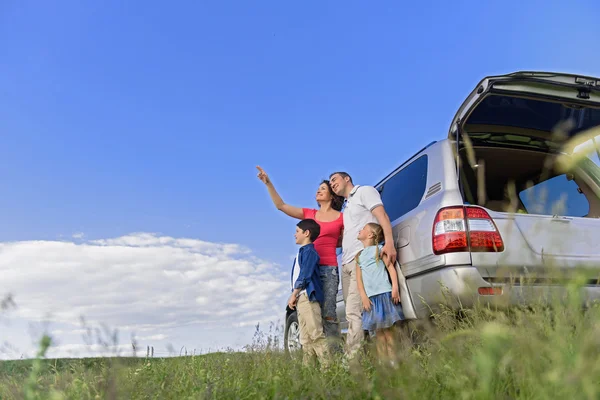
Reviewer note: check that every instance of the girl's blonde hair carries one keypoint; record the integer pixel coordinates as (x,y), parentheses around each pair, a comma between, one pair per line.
(377,232)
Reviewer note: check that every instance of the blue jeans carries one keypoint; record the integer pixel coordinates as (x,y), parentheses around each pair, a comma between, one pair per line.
(330,279)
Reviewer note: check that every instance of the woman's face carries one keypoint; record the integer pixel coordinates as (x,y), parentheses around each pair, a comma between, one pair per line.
(323,194)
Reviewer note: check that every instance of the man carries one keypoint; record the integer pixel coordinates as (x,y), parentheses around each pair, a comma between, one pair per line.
(363,205)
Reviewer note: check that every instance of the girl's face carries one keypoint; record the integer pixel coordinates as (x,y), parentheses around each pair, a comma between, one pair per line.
(323,194)
(365,233)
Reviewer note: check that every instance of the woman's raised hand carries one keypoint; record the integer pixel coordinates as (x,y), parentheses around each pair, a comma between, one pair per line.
(262,175)
(292,211)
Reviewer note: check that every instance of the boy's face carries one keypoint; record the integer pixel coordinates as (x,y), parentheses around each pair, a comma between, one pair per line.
(301,236)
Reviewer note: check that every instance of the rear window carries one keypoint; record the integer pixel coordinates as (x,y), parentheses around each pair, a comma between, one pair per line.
(531,114)
(403,191)
(555,196)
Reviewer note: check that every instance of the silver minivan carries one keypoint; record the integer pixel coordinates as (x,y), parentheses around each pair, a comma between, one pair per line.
(513,191)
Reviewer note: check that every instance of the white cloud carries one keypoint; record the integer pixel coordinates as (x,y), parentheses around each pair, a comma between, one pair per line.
(79,235)
(142,283)
(160,336)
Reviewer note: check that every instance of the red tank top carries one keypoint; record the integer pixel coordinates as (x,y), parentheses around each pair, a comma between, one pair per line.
(326,243)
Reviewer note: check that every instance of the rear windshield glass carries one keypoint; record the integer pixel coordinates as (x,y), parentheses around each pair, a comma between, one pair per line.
(555,196)
(560,195)
(531,114)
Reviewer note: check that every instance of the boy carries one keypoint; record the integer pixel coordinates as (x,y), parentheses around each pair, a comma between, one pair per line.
(307,294)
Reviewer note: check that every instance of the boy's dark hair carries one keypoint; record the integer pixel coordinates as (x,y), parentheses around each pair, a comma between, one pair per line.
(312,226)
(343,175)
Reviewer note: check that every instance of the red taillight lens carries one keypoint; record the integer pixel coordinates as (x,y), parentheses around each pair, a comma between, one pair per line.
(486,241)
(450,242)
(473,212)
(490,291)
(483,233)
(465,229)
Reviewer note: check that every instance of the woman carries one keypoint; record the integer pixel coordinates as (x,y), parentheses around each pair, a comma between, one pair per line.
(331,222)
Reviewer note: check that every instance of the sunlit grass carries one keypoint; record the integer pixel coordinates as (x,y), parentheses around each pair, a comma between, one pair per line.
(549,349)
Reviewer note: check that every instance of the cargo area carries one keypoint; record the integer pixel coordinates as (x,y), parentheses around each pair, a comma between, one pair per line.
(515,162)
(525,181)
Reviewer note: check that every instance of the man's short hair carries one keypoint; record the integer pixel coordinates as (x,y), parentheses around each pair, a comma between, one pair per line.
(343,175)
(312,226)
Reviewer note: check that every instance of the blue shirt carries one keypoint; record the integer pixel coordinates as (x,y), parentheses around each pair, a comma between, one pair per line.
(374,273)
(309,278)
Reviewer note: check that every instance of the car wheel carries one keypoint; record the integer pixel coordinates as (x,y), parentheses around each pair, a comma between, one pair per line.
(292,334)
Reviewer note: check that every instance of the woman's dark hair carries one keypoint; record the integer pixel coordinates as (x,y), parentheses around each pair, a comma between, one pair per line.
(336,201)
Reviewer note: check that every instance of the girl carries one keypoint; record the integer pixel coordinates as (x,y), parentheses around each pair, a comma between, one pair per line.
(331,222)
(380,298)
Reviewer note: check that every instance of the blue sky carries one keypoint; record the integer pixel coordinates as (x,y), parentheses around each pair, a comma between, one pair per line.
(118,119)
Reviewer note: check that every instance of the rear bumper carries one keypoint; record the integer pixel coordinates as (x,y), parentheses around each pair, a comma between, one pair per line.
(458,287)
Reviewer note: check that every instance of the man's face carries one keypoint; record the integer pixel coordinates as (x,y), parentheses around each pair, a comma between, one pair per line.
(339,184)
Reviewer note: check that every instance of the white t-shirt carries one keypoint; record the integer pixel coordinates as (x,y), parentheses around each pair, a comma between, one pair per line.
(296,273)
(357,213)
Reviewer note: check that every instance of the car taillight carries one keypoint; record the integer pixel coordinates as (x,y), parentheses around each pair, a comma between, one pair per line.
(465,229)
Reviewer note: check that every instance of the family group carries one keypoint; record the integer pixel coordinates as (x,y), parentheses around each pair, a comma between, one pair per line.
(352,217)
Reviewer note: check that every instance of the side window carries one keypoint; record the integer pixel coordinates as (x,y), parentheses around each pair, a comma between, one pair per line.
(555,196)
(403,192)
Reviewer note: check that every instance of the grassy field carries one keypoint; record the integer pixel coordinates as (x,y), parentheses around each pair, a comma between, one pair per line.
(548,350)
(538,352)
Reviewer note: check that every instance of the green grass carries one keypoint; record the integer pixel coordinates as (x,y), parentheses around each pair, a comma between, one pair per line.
(536,352)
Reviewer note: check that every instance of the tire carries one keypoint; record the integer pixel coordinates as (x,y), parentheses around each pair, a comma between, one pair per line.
(291,339)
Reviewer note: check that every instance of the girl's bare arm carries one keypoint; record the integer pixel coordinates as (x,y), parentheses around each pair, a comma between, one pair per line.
(361,289)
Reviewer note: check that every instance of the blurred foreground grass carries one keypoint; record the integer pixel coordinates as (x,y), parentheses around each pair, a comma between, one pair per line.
(543,351)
